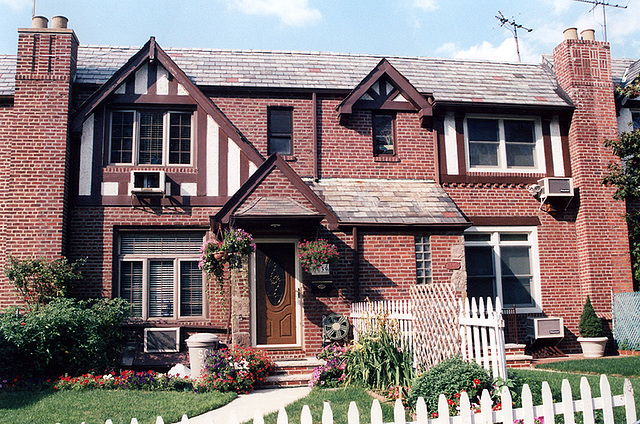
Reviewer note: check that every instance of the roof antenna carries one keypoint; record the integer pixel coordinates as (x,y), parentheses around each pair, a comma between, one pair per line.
(595,4)
(33,9)
(504,21)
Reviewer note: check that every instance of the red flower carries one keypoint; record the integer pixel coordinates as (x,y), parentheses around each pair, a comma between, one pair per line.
(476,381)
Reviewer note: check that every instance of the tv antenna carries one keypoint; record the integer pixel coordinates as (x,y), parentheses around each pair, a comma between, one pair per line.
(514,29)
(604,4)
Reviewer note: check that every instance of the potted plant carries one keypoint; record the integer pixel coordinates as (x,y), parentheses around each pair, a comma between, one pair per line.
(236,244)
(213,259)
(592,338)
(316,253)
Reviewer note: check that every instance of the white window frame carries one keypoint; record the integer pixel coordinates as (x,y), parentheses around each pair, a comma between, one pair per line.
(538,158)
(495,243)
(165,138)
(177,259)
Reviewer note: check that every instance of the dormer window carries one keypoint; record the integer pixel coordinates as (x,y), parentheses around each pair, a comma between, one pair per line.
(383,134)
(503,144)
(151,137)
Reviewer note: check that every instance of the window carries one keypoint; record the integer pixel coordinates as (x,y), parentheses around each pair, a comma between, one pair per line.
(159,270)
(143,137)
(383,134)
(503,144)
(502,263)
(635,120)
(423,260)
(280,131)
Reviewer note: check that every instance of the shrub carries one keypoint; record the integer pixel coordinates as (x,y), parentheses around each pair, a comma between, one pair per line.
(331,374)
(379,359)
(64,337)
(127,380)
(236,370)
(590,325)
(450,377)
(39,281)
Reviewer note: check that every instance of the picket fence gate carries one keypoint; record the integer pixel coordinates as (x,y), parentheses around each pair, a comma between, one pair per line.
(507,415)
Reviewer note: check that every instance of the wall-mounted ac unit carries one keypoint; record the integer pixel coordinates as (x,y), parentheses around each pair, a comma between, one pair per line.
(151,183)
(555,187)
(545,328)
(158,340)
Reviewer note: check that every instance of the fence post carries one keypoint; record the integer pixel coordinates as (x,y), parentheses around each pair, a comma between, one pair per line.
(567,403)
(507,405)
(283,418)
(327,413)
(629,403)
(398,413)
(376,412)
(305,416)
(422,415)
(587,401)
(547,404)
(353,415)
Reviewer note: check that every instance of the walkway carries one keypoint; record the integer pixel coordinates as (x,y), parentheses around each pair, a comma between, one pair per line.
(245,406)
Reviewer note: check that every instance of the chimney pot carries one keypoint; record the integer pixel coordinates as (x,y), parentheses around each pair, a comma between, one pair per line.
(570,34)
(39,22)
(59,22)
(588,34)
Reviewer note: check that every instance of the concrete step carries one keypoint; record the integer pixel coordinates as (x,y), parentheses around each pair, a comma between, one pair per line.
(287,380)
(519,361)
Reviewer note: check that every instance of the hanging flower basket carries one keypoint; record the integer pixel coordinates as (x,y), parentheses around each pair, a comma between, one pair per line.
(314,254)
(235,245)
(220,256)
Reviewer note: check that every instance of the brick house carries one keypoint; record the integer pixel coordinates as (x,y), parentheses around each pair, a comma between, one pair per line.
(419,170)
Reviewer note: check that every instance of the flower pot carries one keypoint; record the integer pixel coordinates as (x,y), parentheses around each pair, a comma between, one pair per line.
(220,256)
(593,347)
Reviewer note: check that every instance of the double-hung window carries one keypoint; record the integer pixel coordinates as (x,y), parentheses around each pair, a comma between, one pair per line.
(503,262)
(159,273)
(383,130)
(503,144)
(280,130)
(151,137)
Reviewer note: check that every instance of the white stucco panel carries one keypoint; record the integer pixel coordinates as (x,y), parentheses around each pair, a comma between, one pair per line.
(109,189)
(162,81)
(188,189)
(556,148)
(86,158)
(213,153)
(233,167)
(451,144)
(142,81)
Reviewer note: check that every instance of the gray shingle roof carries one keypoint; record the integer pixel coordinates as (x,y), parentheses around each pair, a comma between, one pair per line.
(447,79)
(619,69)
(268,206)
(377,201)
(631,73)
(7,74)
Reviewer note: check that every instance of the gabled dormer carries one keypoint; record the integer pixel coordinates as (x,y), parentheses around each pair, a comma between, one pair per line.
(150,132)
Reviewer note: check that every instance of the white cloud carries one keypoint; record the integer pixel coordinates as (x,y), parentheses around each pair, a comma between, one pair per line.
(16,4)
(505,52)
(290,12)
(425,4)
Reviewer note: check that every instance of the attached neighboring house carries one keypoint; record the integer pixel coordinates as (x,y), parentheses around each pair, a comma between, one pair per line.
(420,171)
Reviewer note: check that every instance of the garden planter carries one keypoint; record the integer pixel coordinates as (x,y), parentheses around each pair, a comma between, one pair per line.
(220,256)
(623,352)
(593,347)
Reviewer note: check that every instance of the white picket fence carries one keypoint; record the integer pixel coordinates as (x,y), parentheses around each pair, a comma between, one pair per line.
(482,335)
(567,408)
(363,317)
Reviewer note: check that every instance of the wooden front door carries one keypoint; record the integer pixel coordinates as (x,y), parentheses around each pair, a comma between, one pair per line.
(275,293)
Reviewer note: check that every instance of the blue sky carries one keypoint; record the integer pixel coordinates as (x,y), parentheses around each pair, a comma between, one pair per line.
(433,28)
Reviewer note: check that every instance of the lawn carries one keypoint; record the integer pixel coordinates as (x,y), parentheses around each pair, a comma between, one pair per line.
(340,399)
(627,366)
(96,406)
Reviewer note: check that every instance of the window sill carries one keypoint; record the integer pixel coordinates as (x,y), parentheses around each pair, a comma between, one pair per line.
(386,158)
(289,158)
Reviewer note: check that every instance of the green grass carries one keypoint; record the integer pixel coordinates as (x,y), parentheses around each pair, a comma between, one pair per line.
(627,366)
(340,399)
(96,406)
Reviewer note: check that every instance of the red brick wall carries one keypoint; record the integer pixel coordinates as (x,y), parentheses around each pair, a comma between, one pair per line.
(583,69)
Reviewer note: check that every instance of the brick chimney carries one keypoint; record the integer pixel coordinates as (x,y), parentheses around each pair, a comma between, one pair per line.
(37,198)
(583,70)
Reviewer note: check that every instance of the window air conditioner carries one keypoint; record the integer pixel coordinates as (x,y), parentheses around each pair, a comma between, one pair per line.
(544,328)
(151,183)
(555,187)
(162,340)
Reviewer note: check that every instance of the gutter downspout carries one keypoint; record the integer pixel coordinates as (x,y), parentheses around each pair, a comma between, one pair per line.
(356,265)
(314,112)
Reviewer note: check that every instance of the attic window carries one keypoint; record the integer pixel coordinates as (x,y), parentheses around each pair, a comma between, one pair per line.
(383,134)
(280,130)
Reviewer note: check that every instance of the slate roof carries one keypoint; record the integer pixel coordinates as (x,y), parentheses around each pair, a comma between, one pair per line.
(269,206)
(7,74)
(377,201)
(619,68)
(447,79)
(631,73)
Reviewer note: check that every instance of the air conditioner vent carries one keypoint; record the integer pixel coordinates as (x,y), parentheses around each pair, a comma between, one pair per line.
(545,328)
(555,187)
(157,340)
(147,183)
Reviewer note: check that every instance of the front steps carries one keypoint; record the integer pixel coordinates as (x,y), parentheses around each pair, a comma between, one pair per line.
(293,372)
(516,358)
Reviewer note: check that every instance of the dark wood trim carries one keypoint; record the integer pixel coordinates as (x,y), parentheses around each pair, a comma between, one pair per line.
(244,167)
(383,67)
(399,226)
(200,151)
(546,145)
(163,99)
(440,148)
(314,122)
(356,264)
(564,137)
(387,104)
(100,149)
(496,221)
(152,76)
(462,157)
(223,163)
(491,179)
(125,200)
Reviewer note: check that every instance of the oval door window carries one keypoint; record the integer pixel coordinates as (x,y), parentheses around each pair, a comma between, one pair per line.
(274,282)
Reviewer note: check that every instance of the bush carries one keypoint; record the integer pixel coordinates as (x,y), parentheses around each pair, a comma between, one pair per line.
(450,377)
(236,370)
(64,337)
(590,325)
(379,359)
(127,380)
(331,374)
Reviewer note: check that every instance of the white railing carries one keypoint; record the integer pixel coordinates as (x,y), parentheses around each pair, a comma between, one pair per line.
(528,413)
(363,317)
(482,335)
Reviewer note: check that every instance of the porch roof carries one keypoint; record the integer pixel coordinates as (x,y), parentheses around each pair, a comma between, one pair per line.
(389,202)
(274,206)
